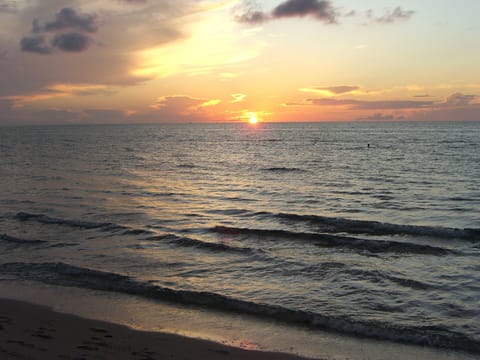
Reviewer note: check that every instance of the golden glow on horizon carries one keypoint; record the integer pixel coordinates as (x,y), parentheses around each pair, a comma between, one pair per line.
(253,119)
(198,63)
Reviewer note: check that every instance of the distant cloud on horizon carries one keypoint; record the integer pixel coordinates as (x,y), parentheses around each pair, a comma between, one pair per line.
(382,117)
(455,106)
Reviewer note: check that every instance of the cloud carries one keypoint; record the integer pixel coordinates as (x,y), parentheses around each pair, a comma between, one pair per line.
(134,1)
(179,108)
(212,102)
(382,117)
(35,44)
(321,10)
(69,19)
(69,28)
(82,89)
(341,89)
(69,42)
(372,105)
(397,14)
(8,7)
(332,90)
(252,17)
(459,99)
(177,102)
(251,13)
(422,96)
(457,106)
(238,98)
(56,91)
(455,100)
(72,42)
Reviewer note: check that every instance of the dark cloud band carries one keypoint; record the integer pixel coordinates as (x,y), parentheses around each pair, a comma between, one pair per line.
(321,10)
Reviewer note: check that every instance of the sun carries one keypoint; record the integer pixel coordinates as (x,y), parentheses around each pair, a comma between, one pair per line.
(253,120)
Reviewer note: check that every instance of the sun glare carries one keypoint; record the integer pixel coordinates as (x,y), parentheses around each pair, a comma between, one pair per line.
(253,119)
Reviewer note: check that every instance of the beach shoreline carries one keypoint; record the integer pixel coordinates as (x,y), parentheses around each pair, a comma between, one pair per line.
(30,331)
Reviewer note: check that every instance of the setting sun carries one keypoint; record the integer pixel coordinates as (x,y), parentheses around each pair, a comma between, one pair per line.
(253,119)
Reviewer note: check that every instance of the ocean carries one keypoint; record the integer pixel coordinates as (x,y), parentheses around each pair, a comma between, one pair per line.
(363,230)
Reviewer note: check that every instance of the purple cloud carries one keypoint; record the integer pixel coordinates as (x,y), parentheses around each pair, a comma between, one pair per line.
(72,42)
(69,28)
(68,19)
(35,44)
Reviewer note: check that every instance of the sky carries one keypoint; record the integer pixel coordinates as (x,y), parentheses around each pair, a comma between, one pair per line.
(146,61)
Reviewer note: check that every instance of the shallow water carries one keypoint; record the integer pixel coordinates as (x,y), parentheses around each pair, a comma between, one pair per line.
(302,223)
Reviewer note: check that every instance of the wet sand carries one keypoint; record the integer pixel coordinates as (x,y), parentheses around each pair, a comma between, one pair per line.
(34,332)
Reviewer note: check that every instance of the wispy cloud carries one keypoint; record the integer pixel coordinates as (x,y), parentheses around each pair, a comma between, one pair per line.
(372,104)
(332,90)
(56,91)
(183,104)
(397,14)
(238,98)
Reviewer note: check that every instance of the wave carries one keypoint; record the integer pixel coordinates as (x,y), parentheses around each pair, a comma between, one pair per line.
(190,242)
(44,219)
(63,274)
(15,241)
(283,169)
(326,240)
(137,232)
(331,224)
(18,241)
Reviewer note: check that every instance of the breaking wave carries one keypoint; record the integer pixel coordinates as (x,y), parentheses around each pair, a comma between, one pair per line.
(63,274)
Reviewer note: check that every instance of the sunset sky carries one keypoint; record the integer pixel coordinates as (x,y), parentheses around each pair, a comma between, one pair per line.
(136,61)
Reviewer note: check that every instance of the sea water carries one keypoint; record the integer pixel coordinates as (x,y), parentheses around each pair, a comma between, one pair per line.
(368,230)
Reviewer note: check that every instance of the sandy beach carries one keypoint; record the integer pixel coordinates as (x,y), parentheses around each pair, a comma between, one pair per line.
(30,331)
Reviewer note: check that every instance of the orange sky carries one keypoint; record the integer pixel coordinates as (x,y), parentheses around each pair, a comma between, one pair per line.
(136,61)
